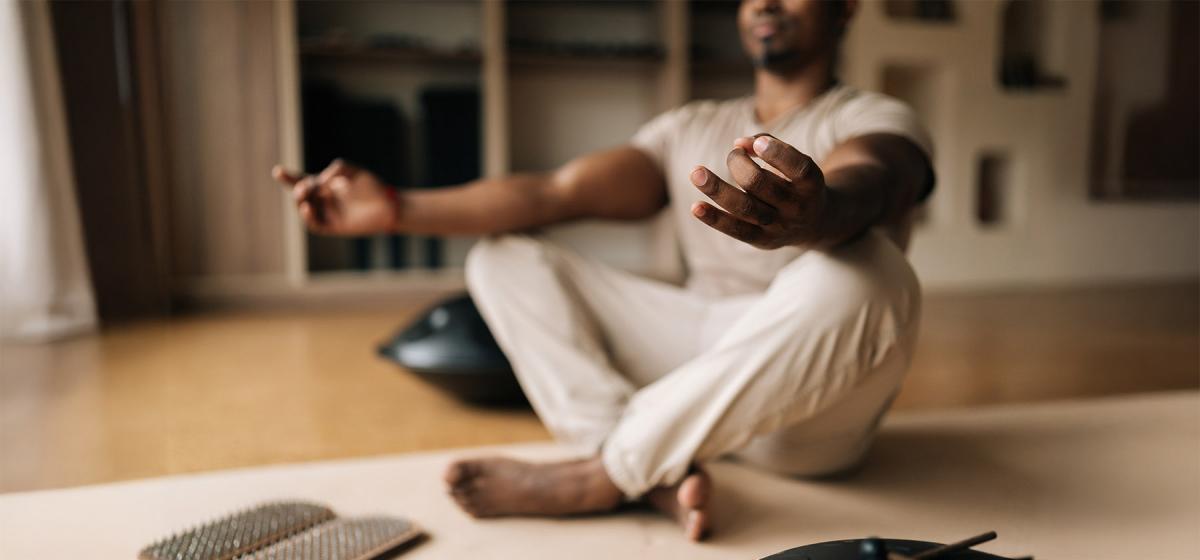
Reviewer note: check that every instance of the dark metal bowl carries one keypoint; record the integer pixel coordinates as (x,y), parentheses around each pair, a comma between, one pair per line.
(450,347)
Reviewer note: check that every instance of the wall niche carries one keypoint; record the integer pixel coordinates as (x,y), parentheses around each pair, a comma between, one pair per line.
(992,192)
(919,85)
(1146,121)
(1030,58)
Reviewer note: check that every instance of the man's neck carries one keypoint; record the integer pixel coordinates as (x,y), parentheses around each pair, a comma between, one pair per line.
(777,93)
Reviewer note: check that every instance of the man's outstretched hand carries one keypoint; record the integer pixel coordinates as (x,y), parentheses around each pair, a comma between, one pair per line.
(342,200)
(770,210)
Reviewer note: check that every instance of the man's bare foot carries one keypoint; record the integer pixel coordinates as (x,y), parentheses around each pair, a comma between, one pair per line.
(496,487)
(687,503)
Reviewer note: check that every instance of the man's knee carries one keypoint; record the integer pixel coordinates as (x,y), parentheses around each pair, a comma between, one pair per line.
(853,311)
(870,274)
(494,260)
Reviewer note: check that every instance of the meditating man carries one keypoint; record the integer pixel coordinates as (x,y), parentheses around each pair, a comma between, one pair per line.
(793,329)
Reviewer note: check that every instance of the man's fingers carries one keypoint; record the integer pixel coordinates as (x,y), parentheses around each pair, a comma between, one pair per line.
(339,186)
(302,191)
(337,168)
(332,170)
(313,217)
(788,160)
(759,182)
(317,197)
(306,193)
(728,224)
(732,199)
(745,143)
(308,215)
(281,174)
(309,190)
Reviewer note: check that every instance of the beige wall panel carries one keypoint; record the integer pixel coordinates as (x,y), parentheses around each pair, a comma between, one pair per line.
(222,119)
(1054,234)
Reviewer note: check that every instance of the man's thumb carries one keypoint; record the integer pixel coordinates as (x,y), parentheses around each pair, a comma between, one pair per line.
(284,176)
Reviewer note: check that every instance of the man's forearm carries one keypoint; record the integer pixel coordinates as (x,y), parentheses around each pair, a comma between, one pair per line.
(486,206)
(617,184)
(855,202)
(876,185)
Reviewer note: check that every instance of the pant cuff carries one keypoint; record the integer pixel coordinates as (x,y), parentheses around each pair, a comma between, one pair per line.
(620,473)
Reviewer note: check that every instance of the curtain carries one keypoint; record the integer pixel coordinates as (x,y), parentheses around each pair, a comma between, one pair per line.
(45,291)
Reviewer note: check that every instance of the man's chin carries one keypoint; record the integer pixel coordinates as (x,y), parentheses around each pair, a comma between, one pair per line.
(778,62)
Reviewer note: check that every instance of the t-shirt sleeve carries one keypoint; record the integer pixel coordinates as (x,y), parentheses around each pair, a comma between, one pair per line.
(654,138)
(873,113)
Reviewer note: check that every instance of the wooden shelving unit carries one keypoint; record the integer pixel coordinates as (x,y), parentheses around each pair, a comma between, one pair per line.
(535,104)
(501,56)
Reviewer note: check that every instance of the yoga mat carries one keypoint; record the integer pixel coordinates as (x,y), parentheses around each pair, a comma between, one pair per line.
(1096,479)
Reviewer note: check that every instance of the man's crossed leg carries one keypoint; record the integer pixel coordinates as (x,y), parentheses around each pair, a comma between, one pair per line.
(651,380)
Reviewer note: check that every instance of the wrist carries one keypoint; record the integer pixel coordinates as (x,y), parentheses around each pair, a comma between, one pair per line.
(392,196)
(844,218)
(854,203)
(832,221)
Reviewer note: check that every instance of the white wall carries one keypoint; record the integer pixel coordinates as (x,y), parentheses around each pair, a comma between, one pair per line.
(1055,234)
(560,111)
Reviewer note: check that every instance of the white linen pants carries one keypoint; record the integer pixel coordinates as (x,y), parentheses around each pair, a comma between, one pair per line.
(655,377)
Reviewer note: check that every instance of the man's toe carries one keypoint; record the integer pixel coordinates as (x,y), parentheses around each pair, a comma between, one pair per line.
(454,474)
(694,491)
(696,526)
(461,472)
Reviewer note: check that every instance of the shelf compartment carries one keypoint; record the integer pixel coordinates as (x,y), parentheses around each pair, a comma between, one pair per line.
(386,55)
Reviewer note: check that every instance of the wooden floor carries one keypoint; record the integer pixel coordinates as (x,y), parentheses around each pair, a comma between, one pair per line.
(239,389)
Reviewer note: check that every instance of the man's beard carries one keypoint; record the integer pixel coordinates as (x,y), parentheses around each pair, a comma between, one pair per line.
(777,62)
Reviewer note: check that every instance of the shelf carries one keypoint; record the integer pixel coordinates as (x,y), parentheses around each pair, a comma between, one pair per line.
(925,12)
(721,68)
(721,7)
(383,280)
(387,55)
(557,60)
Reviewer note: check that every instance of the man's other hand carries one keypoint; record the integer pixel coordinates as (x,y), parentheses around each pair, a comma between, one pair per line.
(342,200)
(786,206)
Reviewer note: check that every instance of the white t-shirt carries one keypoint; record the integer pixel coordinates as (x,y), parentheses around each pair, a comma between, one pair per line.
(702,133)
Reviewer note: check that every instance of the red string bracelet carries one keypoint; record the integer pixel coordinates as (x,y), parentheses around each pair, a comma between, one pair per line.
(393,197)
